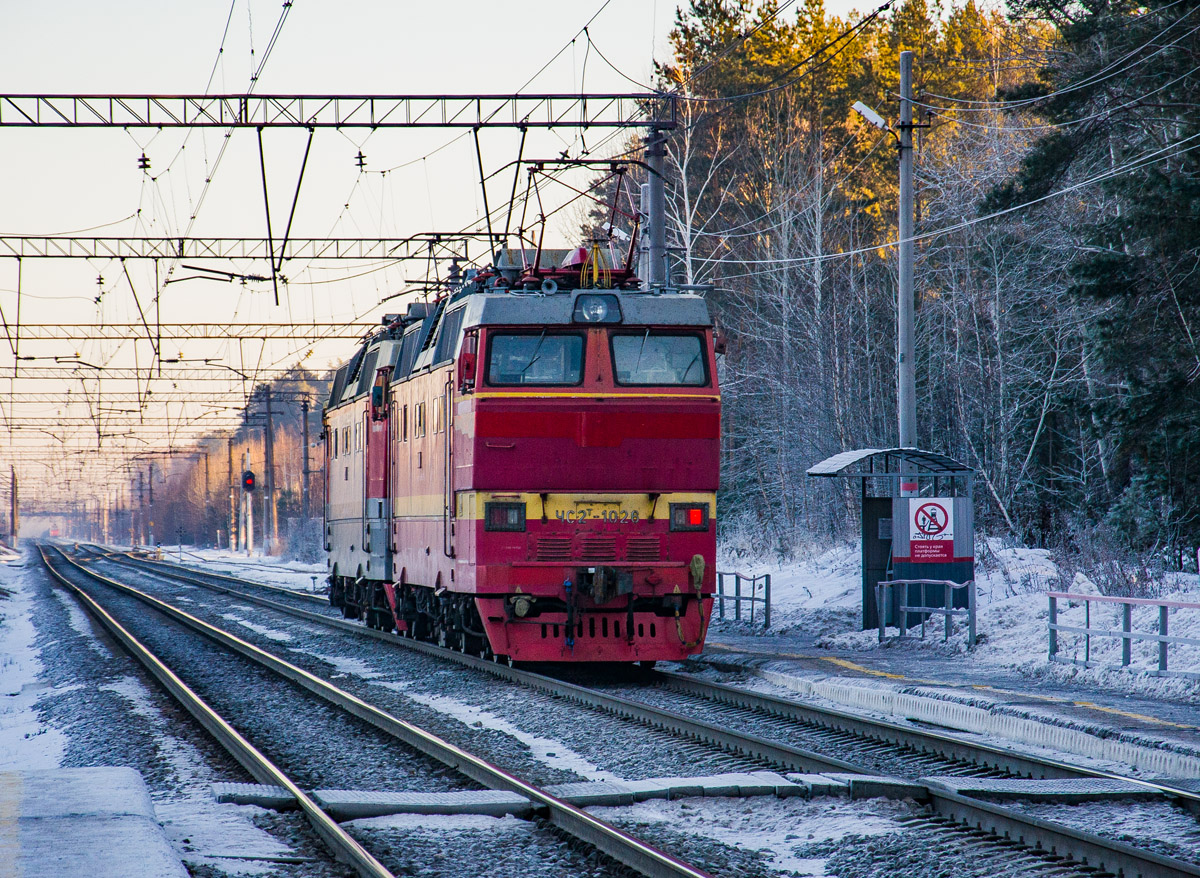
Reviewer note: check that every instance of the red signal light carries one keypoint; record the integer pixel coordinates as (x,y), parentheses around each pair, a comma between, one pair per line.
(247,481)
(689,516)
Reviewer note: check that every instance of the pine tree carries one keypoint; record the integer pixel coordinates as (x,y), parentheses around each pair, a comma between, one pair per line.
(1122,94)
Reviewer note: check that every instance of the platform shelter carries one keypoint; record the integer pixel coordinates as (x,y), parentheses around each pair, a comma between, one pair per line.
(918,520)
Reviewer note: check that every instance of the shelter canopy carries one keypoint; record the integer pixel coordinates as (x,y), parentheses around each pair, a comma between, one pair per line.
(874,462)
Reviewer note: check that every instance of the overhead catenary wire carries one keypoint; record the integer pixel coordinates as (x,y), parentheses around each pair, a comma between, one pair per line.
(1137,163)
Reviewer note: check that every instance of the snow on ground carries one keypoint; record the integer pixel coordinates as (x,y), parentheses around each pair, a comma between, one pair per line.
(269,633)
(821,596)
(25,742)
(548,751)
(780,829)
(208,833)
(259,568)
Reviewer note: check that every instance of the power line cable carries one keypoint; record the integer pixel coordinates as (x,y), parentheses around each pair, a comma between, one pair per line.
(1136,164)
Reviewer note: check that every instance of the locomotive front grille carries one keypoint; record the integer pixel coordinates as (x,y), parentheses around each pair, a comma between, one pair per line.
(598,548)
(644,549)
(554,549)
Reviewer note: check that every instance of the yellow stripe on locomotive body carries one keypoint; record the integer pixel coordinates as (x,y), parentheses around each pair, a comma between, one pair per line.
(579,507)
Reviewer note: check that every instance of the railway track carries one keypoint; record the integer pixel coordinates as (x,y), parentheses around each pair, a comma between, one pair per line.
(623,848)
(933,751)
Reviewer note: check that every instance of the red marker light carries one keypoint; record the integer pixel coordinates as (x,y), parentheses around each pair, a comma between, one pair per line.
(695,516)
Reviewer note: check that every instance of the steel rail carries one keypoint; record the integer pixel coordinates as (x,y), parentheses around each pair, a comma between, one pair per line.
(1043,835)
(922,740)
(620,846)
(794,758)
(341,844)
(941,743)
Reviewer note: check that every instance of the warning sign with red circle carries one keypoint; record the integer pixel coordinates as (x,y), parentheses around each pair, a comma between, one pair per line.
(931,529)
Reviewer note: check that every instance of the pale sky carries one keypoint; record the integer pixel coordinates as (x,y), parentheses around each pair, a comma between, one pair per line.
(59,181)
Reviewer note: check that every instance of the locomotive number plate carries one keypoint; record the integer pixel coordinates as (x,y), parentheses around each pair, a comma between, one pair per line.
(583,513)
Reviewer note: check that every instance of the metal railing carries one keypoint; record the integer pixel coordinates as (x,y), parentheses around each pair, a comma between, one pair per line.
(899,592)
(751,598)
(1126,635)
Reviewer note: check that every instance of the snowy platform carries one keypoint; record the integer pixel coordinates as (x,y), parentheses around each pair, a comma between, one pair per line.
(82,823)
(1063,790)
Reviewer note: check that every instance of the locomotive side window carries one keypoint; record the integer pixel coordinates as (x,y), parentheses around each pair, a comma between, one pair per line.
(408,353)
(404,425)
(659,358)
(367,373)
(447,343)
(535,358)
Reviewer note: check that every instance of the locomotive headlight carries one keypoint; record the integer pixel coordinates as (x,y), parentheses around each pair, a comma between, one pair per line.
(597,308)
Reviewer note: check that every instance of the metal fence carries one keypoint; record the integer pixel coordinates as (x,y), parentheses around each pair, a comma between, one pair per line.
(897,589)
(1127,635)
(750,595)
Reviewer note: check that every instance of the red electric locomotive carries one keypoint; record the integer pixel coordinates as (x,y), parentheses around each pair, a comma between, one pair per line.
(527,467)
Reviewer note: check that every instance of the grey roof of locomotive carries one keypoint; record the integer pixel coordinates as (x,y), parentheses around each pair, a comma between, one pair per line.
(505,308)
(556,309)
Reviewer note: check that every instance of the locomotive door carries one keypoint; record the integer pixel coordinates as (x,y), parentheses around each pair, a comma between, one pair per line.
(377,511)
(448,500)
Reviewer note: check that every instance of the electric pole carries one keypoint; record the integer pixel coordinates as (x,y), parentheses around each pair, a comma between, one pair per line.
(233,522)
(906,394)
(906,384)
(14,525)
(656,151)
(304,471)
(150,501)
(271,511)
(141,530)
(207,516)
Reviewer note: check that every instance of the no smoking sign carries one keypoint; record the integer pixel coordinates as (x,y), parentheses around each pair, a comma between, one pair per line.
(931,529)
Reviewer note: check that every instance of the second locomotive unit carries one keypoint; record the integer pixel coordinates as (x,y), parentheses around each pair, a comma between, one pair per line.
(527,468)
